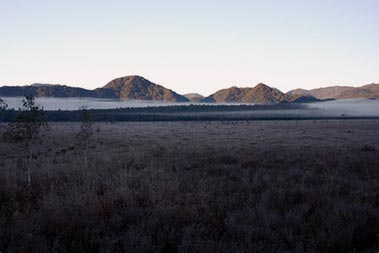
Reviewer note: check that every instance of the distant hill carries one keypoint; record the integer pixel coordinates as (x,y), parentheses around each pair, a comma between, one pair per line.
(45,90)
(136,87)
(260,94)
(301,99)
(194,97)
(341,92)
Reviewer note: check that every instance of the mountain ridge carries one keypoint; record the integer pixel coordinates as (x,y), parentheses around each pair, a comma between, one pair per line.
(260,94)
(128,87)
(135,87)
(341,92)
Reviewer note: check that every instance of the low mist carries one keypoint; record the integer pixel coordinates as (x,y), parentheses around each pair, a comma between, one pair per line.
(348,108)
(336,108)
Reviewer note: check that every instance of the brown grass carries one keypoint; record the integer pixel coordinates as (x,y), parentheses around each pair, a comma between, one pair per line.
(308,186)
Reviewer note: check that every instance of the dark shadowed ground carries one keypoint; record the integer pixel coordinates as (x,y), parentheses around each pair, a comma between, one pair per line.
(264,186)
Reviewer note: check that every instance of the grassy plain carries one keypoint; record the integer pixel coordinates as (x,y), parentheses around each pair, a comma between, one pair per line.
(242,186)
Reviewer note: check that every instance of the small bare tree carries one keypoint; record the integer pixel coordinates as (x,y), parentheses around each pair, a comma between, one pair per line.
(27,129)
(3,105)
(3,108)
(86,131)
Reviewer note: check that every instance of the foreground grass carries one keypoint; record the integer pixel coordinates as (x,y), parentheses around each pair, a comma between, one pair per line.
(159,195)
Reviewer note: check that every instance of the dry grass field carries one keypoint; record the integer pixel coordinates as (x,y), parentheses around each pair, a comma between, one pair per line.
(265,186)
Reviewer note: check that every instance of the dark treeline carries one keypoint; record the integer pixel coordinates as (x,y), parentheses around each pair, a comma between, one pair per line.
(184,113)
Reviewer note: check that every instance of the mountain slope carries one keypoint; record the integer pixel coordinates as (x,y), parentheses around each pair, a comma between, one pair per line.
(136,87)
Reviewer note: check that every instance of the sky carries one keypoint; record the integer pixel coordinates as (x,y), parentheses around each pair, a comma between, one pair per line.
(190,46)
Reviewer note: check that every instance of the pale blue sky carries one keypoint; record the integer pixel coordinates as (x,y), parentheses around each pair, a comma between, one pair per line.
(190,46)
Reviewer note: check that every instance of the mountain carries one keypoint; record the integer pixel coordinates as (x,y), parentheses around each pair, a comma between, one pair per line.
(136,87)
(260,94)
(45,90)
(341,92)
(194,97)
